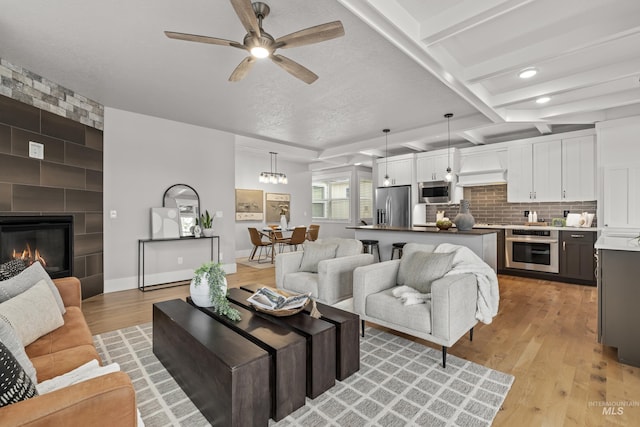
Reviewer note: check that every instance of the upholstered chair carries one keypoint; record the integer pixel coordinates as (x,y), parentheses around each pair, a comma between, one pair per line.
(324,268)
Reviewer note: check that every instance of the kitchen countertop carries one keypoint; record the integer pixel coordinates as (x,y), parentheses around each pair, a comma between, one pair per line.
(519,227)
(423,229)
(619,242)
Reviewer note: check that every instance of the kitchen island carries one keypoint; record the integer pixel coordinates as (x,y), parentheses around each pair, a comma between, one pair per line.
(483,242)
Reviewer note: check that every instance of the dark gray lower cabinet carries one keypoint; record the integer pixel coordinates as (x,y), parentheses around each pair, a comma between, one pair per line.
(577,260)
(618,301)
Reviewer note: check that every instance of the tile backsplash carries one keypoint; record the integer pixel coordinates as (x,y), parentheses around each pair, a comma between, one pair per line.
(488,204)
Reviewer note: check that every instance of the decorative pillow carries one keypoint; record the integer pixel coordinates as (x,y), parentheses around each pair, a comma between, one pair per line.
(10,338)
(26,279)
(82,373)
(11,268)
(315,252)
(419,269)
(15,384)
(33,313)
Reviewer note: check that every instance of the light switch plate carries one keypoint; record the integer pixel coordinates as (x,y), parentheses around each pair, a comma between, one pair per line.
(36,150)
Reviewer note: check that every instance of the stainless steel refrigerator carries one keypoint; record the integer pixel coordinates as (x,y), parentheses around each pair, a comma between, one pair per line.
(393,206)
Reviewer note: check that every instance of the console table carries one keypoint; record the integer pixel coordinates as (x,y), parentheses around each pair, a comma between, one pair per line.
(143,242)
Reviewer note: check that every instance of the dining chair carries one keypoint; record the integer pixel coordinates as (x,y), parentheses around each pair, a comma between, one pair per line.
(298,237)
(312,232)
(258,242)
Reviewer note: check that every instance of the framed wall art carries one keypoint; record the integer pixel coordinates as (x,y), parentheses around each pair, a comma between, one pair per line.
(249,205)
(277,204)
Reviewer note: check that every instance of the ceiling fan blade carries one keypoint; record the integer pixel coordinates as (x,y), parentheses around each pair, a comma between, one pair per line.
(242,69)
(247,16)
(310,35)
(203,39)
(295,69)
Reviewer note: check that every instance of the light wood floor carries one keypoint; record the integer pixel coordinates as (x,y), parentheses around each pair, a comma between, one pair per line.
(544,335)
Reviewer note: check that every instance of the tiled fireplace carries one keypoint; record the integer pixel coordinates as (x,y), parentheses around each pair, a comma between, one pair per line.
(46,239)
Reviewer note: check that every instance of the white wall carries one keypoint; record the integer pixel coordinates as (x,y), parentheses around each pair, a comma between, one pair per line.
(143,156)
(248,167)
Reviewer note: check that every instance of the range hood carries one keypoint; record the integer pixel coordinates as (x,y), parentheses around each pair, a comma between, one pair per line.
(483,168)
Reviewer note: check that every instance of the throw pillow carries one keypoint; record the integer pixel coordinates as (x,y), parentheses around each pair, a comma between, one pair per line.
(33,313)
(26,279)
(10,338)
(82,373)
(419,269)
(11,268)
(15,384)
(315,252)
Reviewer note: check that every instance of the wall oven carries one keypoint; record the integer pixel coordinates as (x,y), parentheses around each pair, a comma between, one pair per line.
(536,250)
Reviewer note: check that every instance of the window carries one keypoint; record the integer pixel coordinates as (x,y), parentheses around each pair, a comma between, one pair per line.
(330,198)
(366,198)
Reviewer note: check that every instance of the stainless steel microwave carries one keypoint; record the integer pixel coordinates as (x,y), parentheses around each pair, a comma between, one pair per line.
(435,191)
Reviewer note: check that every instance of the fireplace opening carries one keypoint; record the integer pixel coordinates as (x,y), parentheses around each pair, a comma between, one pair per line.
(45,239)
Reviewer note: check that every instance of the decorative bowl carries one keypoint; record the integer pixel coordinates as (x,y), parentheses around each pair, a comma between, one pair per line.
(444,225)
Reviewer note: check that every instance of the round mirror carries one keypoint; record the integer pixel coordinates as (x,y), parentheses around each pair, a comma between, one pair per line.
(187,200)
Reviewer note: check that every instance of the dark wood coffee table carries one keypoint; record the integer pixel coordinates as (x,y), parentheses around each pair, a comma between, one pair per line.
(320,337)
(347,335)
(225,375)
(288,352)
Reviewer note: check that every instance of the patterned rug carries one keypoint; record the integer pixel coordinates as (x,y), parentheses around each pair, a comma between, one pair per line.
(400,383)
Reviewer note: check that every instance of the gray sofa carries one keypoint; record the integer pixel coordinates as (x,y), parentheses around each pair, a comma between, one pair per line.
(332,280)
(449,314)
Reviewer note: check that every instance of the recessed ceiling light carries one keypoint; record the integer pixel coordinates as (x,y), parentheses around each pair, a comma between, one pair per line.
(543,99)
(527,73)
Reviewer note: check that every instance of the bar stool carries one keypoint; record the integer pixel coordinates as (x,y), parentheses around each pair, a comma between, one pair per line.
(369,245)
(397,247)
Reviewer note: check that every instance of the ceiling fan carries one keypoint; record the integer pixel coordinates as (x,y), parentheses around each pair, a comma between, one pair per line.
(261,44)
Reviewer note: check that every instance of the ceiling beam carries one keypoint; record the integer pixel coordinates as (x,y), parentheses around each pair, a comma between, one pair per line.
(262,147)
(463,16)
(414,48)
(473,136)
(415,146)
(618,99)
(544,128)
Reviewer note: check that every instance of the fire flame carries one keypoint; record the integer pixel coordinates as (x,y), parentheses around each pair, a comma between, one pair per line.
(29,256)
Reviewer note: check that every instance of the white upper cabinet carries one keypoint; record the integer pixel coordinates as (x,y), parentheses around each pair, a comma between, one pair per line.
(552,170)
(432,166)
(400,170)
(579,168)
(621,196)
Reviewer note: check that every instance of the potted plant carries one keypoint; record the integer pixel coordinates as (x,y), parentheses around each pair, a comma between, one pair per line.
(209,289)
(206,223)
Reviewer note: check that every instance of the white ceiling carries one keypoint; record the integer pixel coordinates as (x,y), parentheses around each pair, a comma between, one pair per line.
(402,64)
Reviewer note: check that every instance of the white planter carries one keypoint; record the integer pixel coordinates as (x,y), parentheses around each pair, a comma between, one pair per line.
(208,232)
(200,294)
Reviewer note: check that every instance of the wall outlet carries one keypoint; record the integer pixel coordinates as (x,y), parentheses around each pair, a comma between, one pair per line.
(565,213)
(36,150)
(180,260)
(526,214)
(218,214)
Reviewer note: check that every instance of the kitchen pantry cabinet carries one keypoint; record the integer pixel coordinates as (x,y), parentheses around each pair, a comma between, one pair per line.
(621,196)
(432,166)
(552,171)
(577,259)
(400,170)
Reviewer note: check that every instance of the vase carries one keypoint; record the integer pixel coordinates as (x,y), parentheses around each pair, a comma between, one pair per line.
(207,232)
(200,294)
(464,220)
(197,231)
(283,222)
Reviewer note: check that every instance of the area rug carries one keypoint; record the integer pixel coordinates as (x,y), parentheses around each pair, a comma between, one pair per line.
(255,264)
(400,383)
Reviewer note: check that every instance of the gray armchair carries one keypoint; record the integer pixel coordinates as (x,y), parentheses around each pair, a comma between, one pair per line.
(330,278)
(443,319)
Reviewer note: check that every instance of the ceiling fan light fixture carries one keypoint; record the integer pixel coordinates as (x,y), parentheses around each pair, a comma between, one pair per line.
(259,52)
(527,73)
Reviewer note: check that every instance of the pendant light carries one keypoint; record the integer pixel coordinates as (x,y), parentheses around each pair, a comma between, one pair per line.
(448,177)
(386,157)
(273,177)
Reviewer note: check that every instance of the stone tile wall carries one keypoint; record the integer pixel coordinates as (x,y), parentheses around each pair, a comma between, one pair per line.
(30,88)
(488,204)
(67,181)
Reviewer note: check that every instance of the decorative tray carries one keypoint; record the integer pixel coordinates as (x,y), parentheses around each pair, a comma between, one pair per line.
(280,312)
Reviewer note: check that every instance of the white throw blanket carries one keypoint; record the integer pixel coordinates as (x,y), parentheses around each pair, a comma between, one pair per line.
(466,261)
(410,296)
